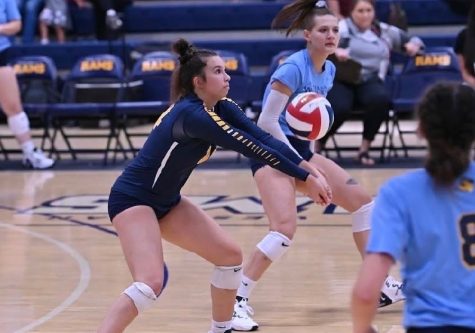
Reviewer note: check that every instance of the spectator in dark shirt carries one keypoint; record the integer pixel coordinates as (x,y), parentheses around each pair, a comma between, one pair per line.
(107,17)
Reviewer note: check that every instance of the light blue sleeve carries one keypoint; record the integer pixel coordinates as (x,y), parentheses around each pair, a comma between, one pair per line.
(11,8)
(388,224)
(289,74)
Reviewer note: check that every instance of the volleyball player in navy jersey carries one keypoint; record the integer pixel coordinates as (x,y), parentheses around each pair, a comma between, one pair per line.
(145,204)
(426,220)
(304,71)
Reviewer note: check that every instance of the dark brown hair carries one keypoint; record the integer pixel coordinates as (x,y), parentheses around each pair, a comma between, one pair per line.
(299,15)
(192,61)
(447,120)
(355,2)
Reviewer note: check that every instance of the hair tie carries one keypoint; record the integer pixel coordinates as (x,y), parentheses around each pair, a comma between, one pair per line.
(321,4)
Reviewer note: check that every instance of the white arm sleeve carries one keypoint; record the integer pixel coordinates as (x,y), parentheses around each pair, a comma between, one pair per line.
(269,118)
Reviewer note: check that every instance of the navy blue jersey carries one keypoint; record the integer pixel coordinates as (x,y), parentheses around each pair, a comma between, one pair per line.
(186,135)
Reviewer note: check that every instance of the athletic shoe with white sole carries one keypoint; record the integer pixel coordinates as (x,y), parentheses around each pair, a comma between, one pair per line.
(242,320)
(391,292)
(37,160)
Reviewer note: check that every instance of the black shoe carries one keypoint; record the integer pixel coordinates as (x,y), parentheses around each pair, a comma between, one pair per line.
(384,300)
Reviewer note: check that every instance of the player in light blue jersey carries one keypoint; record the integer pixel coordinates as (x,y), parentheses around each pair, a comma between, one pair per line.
(426,220)
(304,71)
(145,203)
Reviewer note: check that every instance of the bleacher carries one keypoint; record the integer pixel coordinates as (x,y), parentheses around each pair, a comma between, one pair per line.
(236,26)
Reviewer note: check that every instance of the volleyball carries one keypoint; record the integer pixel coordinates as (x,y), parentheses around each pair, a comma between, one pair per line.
(309,116)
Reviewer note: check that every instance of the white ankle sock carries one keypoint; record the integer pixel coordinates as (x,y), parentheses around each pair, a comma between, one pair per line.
(246,287)
(220,326)
(28,147)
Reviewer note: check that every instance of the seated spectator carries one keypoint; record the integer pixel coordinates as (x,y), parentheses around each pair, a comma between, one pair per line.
(107,18)
(368,42)
(465,49)
(55,14)
(10,25)
(29,10)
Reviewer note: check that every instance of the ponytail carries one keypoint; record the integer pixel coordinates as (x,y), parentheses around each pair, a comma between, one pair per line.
(447,120)
(299,15)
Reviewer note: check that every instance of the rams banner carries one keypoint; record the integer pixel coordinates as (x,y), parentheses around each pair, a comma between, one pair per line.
(158,65)
(433,59)
(30,68)
(96,65)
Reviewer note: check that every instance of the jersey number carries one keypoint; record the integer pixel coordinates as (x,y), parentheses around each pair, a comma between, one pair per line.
(467,229)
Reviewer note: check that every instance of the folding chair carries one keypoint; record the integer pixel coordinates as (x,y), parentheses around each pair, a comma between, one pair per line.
(419,73)
(38,81)
(38,84)
(148,92)
(91,92)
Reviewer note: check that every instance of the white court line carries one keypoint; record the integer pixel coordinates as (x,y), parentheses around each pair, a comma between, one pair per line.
(81,286)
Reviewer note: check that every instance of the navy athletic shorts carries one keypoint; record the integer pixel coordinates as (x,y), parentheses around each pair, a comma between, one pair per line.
(4,57)
(118,202)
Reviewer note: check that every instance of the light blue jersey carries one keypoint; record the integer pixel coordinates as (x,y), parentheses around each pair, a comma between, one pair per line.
(8,12)
(297,72)
(431,231)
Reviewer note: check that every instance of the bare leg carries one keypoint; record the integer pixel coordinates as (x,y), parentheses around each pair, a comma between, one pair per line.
(347,193)
(189,227)
(43,31)
(140,238)
(277,192)
(10,98)
(60,35)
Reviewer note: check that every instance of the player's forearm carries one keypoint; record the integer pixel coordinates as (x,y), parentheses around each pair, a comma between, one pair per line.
(10,28)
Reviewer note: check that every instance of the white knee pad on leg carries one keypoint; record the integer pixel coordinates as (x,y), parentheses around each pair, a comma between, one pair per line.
(227,277)
(274,245)
(361,219)
(19,123)
(142,295)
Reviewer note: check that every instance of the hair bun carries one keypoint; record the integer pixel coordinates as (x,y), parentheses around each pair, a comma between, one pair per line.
(184,49)
(320,4)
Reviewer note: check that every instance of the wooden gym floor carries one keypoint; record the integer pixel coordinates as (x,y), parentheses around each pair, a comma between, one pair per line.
(61,264)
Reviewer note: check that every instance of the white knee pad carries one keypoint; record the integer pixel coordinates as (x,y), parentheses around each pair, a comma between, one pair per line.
(227,277)
(142,295)
(19,123)
(361,219)
(274,245)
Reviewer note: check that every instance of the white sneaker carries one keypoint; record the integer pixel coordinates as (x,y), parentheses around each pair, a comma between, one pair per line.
(241,317)
(37,160)
(391,292)
(112,20)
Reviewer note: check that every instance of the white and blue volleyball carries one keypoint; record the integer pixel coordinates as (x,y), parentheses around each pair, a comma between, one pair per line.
(309,116)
